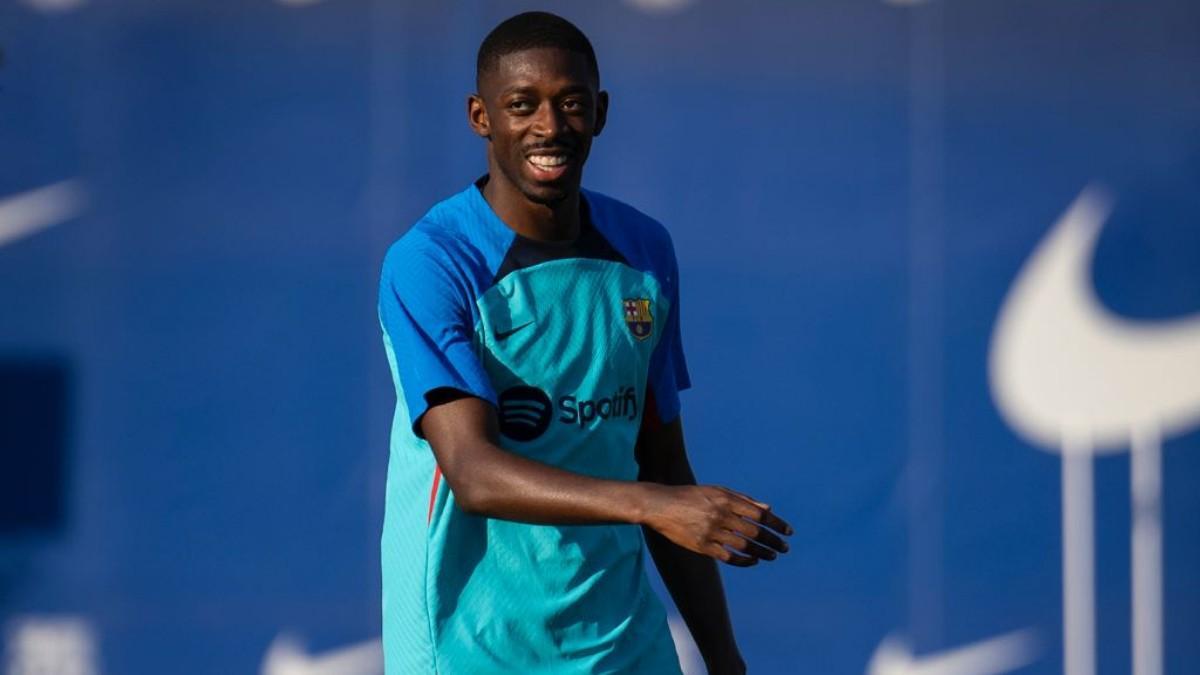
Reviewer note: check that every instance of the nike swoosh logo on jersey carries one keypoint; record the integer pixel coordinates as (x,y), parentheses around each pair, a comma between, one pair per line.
(504,335)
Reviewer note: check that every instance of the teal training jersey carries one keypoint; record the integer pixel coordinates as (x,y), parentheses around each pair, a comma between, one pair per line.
(573,343)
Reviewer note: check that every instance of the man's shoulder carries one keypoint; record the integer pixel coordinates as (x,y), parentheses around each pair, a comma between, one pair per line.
(439,239)
(643,240)
(625,219)
(424,248)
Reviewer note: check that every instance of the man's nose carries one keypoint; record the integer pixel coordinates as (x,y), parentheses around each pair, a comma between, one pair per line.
(548,121)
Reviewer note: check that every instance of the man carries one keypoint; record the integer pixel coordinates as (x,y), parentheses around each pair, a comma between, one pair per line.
(532,329)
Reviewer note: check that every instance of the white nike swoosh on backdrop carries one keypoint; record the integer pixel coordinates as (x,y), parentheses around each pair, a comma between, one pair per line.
(287,656)
(28,213)
(1062,364)
(999,654)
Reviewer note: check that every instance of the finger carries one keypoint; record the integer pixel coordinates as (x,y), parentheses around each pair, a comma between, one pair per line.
(760,551)
(758,534)
(761,515)
(745,546)
(746,509)
(752,500)
(730,558)
(775,523)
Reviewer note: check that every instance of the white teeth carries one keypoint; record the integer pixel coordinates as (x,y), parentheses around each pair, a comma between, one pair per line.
(548,161)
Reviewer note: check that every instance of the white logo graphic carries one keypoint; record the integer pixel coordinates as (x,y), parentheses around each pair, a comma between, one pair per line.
(287,656)
(1000,654)
(660,6)
(55,6)
(1072,377)
(51,646)
(30,212)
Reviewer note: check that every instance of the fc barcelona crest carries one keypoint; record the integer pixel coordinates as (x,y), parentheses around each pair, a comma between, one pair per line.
(638,317)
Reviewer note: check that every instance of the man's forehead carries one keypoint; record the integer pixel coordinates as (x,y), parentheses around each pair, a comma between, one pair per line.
(538,67)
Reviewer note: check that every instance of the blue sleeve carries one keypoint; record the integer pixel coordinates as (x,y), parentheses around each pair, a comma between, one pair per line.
(425,310)
(668,369)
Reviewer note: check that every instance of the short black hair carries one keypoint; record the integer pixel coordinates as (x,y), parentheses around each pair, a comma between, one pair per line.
(533,30)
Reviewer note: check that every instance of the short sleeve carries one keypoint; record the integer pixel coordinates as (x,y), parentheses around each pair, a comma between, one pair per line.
(668,369)
(425,311)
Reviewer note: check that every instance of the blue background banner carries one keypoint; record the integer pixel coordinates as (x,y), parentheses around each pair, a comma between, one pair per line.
(195,200)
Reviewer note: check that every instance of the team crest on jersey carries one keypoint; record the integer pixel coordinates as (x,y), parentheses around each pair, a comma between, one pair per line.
(638,317)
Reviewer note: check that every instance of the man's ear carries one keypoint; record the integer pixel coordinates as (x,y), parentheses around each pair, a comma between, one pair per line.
(477,116)
(601,112)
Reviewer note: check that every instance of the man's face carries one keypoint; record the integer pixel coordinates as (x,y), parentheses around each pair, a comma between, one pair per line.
(540,109)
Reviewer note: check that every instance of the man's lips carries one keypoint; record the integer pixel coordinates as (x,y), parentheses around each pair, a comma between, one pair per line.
(549,165)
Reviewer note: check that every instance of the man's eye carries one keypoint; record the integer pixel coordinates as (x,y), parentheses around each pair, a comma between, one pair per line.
(572,105)
(520,106)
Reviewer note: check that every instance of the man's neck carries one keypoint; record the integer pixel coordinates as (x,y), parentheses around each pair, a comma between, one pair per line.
(559,221)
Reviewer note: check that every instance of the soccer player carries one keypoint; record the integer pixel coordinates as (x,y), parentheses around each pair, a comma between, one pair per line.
(532,328)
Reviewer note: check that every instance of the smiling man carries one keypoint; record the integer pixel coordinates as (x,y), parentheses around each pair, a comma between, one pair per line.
(532,328)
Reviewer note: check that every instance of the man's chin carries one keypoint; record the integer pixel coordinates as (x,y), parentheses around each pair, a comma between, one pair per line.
(547,195)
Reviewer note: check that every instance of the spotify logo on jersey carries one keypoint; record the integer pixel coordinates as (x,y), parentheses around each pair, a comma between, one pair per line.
(524,412)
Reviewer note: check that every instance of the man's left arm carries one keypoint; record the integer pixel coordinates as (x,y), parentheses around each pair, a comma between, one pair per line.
(693,580)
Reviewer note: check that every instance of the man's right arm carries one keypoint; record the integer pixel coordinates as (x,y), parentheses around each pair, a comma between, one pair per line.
(488,480)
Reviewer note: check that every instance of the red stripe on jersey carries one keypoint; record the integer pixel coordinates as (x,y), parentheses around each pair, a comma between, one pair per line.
(437,478)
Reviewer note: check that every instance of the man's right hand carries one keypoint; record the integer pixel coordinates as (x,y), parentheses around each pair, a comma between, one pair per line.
(717,522)
(489,481)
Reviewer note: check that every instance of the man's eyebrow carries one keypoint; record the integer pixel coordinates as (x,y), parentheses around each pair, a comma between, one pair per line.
(575,89)
(530,89)
(518,89)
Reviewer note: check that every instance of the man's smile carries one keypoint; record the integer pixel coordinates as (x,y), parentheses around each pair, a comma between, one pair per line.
(549,165)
